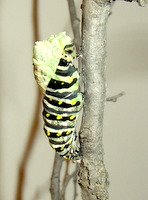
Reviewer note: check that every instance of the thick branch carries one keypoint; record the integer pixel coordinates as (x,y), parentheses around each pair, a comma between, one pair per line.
(55,178)
(93,177)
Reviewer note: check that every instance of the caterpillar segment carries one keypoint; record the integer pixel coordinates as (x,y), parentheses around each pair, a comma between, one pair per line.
(62,100)
(61,111)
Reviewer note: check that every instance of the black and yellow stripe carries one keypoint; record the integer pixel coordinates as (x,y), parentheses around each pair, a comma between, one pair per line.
(62,103)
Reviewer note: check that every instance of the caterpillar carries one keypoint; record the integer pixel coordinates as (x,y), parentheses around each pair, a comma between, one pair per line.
(58,79)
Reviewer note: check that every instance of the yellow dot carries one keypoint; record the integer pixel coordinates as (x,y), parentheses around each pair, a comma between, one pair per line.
(48,133)
(60,102)
(70,142)
(73,102)
(59,134)
(47,115)
(68,132)
(72,117)
(59,117)
(70,80)
(62,148)
(62,83)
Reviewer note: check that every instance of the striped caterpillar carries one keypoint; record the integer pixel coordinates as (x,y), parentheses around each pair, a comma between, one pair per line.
(58,79)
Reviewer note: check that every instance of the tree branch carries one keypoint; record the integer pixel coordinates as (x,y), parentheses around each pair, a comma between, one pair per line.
(93,177)
(36,119)
(55,178)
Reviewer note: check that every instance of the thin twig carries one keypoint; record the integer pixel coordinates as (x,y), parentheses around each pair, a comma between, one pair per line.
(55,178)
(35,19)
(67,178)
(75,179)
(35,123)
(75,23)
(43,189)
(115,97)
(28,149)
(67,162)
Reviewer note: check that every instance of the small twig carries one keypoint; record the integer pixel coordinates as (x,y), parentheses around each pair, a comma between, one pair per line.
(67,178)
(115,97)
(36,119)
(55,178)
(28,149)
(75,179)
(75,23)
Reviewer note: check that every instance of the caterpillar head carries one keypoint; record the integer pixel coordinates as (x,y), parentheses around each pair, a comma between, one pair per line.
(47,54)
(69,52)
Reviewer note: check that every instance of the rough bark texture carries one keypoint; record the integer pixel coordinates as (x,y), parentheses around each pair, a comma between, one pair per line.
(93,177)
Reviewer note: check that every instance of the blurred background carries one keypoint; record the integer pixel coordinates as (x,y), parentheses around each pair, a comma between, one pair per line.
(126,121)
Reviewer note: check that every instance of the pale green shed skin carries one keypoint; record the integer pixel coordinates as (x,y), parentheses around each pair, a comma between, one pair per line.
(46,57)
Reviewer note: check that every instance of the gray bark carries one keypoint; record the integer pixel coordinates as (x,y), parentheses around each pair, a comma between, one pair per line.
(55,178)
(93,177)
